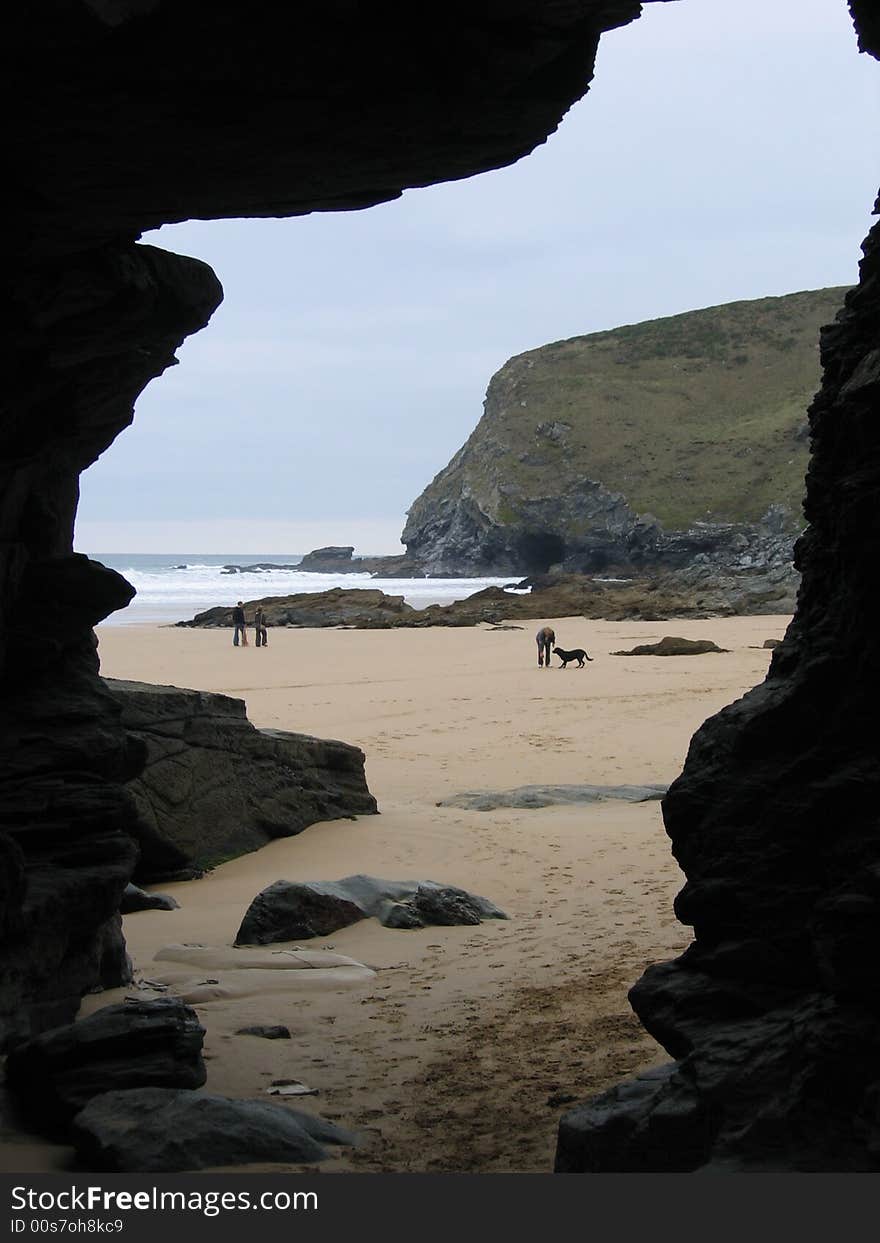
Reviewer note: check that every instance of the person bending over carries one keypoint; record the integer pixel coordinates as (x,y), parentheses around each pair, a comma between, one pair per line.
(545,638)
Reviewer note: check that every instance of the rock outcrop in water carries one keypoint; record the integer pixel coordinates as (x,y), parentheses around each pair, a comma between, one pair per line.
(564,595)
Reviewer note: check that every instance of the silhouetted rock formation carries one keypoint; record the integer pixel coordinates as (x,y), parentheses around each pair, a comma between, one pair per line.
(135,899)
(290,110)
(137,1044)
(333,106)
(160,1131)
(213,786)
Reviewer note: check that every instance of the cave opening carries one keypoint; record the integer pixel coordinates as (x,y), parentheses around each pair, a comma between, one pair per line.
(804,740)
(538,551)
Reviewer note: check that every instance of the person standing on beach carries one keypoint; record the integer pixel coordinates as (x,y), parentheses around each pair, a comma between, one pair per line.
(238,624)
(260,627)
(545,638)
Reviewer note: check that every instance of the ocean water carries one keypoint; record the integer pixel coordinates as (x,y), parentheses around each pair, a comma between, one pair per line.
(174,587)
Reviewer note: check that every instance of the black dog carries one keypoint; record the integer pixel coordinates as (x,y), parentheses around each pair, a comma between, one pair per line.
(578,654)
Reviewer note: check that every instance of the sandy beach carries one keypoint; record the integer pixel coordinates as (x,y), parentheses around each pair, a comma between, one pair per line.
(461,1047)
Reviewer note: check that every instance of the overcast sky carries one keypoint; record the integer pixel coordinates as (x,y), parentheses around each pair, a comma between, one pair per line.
(726,150)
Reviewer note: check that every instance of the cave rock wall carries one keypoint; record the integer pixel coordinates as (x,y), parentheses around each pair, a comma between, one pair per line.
(773,1012)
(124,116)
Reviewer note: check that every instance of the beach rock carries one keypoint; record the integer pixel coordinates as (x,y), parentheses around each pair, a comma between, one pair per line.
(443,907)
(771,643)
(259,567)
(287,911)
(640,597)
(548,795)
(275,1032)
(214,787)
(161,1131)
(340,606)
(135,899)
(293,911)
(652,1123)
(340,559)
(136,1044)
(671,646)
(757,1095)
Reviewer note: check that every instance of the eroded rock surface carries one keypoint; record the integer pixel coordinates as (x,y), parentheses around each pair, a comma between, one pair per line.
(213,786)
(161,1131)
(293,911)
(133,1045)
(679,442)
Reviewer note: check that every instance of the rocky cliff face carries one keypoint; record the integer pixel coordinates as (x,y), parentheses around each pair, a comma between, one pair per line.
(125,116)
(672,443)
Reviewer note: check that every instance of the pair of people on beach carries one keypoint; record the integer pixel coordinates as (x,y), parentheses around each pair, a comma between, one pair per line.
(239,626)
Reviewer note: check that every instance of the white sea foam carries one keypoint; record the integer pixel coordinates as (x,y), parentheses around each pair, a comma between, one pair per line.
(173,588)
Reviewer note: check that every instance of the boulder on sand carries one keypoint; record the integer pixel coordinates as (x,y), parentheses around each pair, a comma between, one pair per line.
(340,606)
(214,786)
(161,1131)
(136,1044)
(135,899)
(526,797)
(294,911)
(672,646)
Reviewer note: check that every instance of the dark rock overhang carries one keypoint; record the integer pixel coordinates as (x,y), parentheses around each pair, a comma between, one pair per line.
(136,113)
(125,114)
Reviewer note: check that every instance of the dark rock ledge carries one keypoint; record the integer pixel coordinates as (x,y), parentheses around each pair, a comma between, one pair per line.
(162,1131)
(134,1044)
(645,599)
(214,787)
